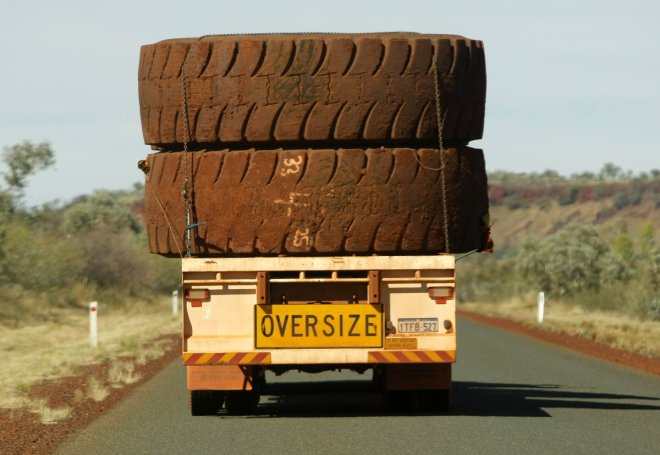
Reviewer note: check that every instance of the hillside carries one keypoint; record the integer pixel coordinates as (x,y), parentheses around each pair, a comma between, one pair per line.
(539,209)
(590,241)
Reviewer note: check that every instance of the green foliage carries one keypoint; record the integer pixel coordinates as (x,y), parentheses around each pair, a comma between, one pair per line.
(103,210)
(576,265)
(650,282)
(568,196)
(572,260)
(514,201)
(608,173)
(112,258)
(118,260)
(53,256)
(623,247)
(6,203)
(629,196)
(646,238)
(486,279)
(611,171)
(23,160)
(36,260)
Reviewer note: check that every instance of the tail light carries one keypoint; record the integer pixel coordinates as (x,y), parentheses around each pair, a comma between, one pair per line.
(441,294)
(197,296)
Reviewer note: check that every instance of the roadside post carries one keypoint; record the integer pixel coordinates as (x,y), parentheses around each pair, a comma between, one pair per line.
(175,303)
(93,324)
(541,305)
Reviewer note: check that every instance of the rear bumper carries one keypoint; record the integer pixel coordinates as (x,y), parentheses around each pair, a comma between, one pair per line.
(319,357)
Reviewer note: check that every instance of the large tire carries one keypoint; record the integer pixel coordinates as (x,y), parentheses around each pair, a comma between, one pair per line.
(437,401)
(320,202)
(242,402)
(205,402)
(332,90)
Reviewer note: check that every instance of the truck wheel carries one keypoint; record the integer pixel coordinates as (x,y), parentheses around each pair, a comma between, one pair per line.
(434,400)
(205,402)
(338,89)
(242,402)
(400,400)
(323,202)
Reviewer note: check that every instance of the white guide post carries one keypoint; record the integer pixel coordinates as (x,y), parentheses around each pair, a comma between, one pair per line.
(541,307)
(175,303)
(93,324)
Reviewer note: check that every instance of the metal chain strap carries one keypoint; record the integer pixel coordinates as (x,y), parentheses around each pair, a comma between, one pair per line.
(443,183)
(186,185)
(185,189)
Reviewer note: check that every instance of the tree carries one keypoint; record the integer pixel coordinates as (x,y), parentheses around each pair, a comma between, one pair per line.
(102,208)
(574,259)
(22,160)
(623,246)
(610,171)
(646,238)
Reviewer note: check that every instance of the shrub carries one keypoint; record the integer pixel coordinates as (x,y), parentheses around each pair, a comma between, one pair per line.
(568,196)
(37,260)
(574,259)
(632,195)
(486,278)
(101,209)
(514,201)
(113,260)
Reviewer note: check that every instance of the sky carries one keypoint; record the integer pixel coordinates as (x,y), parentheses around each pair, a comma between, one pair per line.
(572,84)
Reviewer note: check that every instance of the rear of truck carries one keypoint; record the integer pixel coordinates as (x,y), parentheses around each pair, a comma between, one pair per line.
(314,186)
(394,315)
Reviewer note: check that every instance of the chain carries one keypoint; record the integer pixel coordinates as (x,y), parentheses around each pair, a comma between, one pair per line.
(439,120)
(185,186)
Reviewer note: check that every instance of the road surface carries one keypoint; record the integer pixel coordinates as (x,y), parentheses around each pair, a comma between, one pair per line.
(512,394)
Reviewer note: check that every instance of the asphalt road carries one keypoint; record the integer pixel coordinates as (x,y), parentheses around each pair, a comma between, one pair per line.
(512,394)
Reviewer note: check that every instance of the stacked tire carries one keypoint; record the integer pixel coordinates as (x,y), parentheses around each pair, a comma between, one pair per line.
(314,144)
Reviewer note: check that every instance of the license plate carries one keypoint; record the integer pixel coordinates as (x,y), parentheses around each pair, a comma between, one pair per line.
(319,326)
(418,325)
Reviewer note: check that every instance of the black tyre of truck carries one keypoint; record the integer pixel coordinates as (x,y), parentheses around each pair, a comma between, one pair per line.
(434,401)
(205,402)
(242,402)
(337,90)
(320,202)
(400,401)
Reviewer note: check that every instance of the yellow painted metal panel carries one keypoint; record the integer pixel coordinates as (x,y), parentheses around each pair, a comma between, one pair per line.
(319,326)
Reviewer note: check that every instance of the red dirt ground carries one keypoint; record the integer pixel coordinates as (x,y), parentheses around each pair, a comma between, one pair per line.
(21,432)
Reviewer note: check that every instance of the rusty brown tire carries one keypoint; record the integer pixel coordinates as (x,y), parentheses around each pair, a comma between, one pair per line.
(307,90)
(320,202)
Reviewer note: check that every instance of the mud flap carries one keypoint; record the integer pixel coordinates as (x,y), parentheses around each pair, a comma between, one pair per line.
(418,376)
(220,377)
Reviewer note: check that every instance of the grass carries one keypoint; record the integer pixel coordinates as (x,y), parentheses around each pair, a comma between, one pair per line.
(96,390)
(47,415)
(122,372)
(614,329)
(51,350)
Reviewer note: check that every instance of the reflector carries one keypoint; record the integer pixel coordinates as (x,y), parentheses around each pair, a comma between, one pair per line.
(197,294)
(441,293)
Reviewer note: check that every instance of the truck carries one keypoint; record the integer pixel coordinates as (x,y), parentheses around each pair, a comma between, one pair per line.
(316,188)
(392,315)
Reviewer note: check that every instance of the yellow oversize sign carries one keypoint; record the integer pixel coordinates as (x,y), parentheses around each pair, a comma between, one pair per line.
(319,326)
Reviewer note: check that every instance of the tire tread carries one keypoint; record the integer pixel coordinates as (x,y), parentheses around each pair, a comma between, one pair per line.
(346,201)
(293,90)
